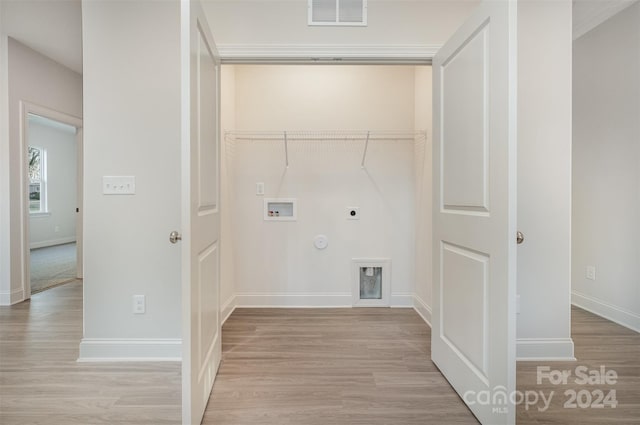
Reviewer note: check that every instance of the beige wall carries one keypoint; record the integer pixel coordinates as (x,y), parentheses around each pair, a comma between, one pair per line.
(544,179)
(35,79)
(606,168)
(275,262)
(313,97)
(423,191)
(284,22)
(227,241)
(132,126)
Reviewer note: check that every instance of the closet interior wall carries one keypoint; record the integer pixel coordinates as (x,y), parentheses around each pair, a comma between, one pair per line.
(270,263)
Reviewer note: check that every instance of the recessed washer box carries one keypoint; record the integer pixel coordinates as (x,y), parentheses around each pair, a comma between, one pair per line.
(280,209)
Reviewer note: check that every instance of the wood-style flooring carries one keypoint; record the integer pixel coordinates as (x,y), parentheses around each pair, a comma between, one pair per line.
(41,382)
(330,366)
(295,366)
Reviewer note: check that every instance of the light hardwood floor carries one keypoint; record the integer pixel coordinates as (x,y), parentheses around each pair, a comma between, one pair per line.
(41,382)
(329,367)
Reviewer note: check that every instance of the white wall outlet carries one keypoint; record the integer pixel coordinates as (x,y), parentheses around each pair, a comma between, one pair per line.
(353,213)
(118,185)
(56,229)
(259,188)
(139,304)
(591,273)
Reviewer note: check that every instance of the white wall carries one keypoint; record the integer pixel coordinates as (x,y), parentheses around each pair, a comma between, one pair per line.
(606,168)
(227,240)
(5,222)
(132,127)
(276,262)
(544,179)
(284,22)
(424,192)
(39,80)
(59,225)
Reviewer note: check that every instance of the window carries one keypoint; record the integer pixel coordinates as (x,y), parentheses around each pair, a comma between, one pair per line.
(338,12)
(37,180)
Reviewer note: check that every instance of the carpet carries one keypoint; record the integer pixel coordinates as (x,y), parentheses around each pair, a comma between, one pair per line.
(52,266)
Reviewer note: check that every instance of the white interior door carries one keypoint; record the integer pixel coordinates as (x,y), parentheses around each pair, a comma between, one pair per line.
(473,334)
(201,330)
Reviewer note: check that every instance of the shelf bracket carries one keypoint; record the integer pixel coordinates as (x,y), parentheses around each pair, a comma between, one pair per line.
(286,150)
(366,145)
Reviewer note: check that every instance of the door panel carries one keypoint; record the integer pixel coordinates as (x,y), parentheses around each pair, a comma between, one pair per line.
(473,335)
(464,100)
(201,214)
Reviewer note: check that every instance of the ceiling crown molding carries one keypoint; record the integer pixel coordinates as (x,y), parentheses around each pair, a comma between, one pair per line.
(326,53)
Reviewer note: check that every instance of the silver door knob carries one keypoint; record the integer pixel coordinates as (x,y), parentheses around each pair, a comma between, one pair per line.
(519,237)
(174,237)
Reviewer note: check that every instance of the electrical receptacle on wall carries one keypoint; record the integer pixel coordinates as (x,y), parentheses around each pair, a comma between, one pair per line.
(139,304)
(591,273)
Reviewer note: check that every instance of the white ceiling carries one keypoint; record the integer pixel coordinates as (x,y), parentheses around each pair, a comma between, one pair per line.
(54,27)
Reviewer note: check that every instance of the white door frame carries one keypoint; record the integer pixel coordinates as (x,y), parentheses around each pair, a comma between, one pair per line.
(27,108)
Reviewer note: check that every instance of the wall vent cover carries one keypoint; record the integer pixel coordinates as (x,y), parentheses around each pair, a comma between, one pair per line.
(338,12)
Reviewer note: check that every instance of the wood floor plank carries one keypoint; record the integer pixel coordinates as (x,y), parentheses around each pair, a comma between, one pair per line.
(283,366)
(41,382)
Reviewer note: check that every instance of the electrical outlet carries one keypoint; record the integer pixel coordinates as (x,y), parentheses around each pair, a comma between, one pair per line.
(259,188)
(56,229)
(139,304)
(591,273)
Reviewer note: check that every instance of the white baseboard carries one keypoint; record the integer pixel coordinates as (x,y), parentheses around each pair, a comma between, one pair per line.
(293,300)
(544,349)
(402,299)
(52,242)
(611,312)
(11,297)
(305,300)
(143,349)
(227,308)
(421,307)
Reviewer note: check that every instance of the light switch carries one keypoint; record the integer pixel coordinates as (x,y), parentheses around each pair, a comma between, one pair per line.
(118,185)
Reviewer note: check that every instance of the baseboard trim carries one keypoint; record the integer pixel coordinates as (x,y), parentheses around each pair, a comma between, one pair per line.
(423,310)
(544,349)
(305,300)
(11,297)
(227,308)
(131,349)
(608,311)
(53,242)
(402,300)
(293,300)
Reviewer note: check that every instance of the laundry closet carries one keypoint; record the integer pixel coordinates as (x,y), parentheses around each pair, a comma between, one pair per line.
(326,182)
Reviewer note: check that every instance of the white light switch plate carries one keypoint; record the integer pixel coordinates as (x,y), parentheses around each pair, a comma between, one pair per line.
(259,188)
(118,185)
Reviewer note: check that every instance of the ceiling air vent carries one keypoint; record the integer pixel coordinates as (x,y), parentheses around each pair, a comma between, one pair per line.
(338,12)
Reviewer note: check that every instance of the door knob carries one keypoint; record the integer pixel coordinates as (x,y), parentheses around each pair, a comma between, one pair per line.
(174,237)
(519,237)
